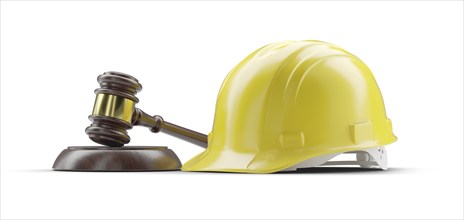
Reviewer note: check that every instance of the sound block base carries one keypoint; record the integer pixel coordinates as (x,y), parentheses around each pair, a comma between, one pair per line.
(128,158)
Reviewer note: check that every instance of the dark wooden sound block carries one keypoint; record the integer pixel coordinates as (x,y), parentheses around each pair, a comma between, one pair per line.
(128,158)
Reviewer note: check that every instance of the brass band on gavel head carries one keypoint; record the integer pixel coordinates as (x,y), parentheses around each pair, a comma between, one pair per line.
(113,109)
(114,106)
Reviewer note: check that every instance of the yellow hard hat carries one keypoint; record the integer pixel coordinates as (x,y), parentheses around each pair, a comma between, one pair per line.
(296,104)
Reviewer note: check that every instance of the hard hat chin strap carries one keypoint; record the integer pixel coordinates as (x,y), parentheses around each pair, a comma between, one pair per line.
(371,158)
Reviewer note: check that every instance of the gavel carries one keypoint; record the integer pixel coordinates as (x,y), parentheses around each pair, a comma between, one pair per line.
(114,113)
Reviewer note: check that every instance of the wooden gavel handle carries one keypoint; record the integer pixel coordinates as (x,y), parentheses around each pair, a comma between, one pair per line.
(158,124)
(185,134)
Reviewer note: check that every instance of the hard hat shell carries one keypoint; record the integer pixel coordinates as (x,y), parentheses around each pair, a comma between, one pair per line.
(291,101)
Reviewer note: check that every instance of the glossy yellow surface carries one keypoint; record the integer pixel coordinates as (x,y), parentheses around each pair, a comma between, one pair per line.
(113,106)
(291,101)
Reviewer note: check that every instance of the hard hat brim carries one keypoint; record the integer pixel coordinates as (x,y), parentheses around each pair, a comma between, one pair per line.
(270,161)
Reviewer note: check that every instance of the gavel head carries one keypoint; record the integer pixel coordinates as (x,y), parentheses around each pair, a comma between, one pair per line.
(114,109)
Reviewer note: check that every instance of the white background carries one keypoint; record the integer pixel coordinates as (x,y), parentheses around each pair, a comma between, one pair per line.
(52,52)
